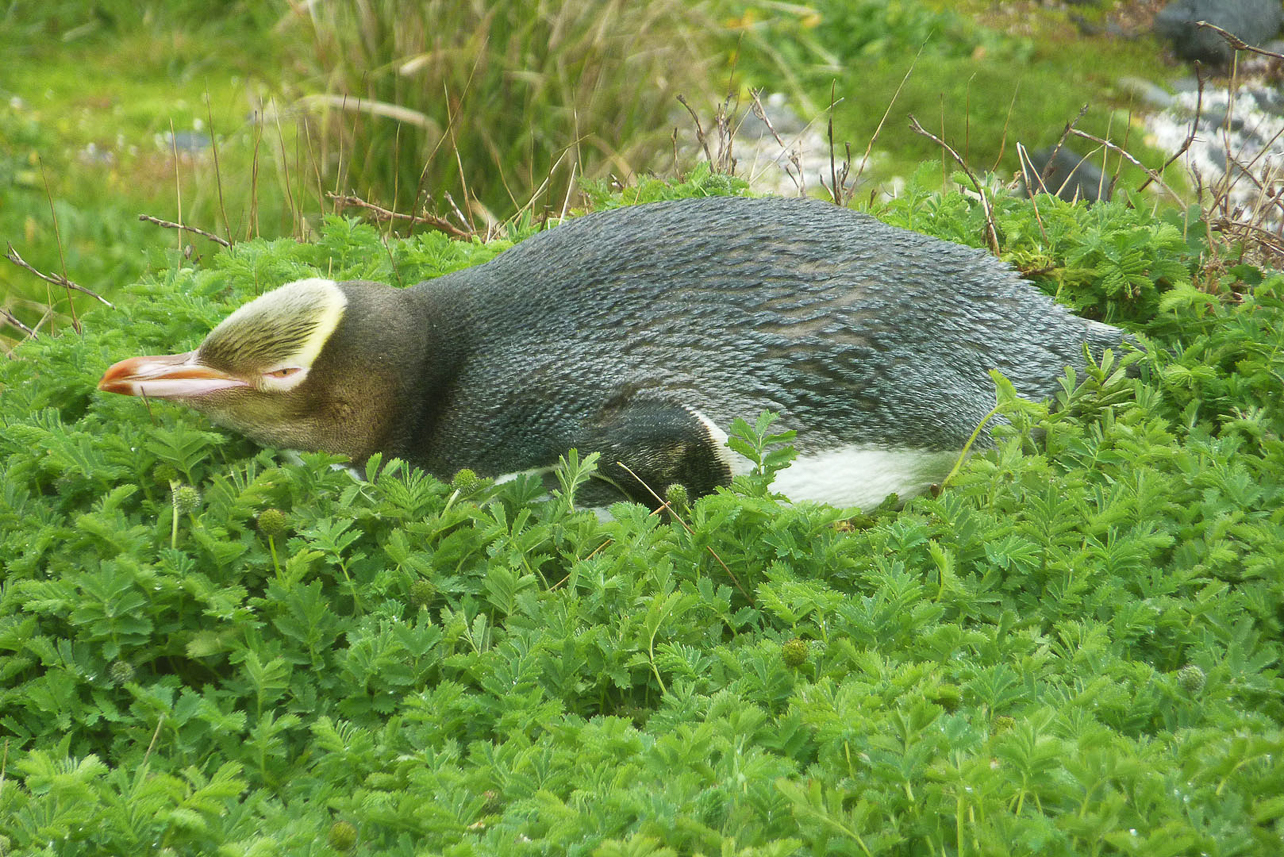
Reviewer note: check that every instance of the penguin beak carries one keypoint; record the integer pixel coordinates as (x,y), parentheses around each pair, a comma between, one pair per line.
(172,376)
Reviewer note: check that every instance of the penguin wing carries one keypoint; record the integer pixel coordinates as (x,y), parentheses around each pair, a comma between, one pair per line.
(647,446)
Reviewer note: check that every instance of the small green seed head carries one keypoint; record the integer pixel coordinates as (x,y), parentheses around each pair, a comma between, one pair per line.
(343,836)
(676,496)
(165,473)
(186,498)
(120,672)
(1191,678)
(464,481)
(273,522)
(794,653)
(422,592)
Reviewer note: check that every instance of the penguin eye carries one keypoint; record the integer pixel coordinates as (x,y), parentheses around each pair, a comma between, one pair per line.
(283,379)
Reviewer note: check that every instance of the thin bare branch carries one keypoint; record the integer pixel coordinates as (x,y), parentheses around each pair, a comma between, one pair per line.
(1046,172)
(700,136)
(13,319)
(1154,176)
(380,213)
(1263,236)
(169,224)
(1236,42)
(56,279)
(991,230)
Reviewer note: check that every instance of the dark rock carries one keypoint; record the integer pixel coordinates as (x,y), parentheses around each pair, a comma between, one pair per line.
(1254,21)
(1069,177)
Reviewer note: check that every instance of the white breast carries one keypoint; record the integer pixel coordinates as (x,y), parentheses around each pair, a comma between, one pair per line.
(856,476)
(860,476)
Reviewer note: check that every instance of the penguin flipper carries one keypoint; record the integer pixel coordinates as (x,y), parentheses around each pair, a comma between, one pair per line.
(647,446)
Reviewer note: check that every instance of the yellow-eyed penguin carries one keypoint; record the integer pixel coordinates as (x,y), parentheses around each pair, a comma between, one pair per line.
(641,333)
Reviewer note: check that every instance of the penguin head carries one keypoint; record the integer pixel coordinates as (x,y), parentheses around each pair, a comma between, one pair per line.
(286,369)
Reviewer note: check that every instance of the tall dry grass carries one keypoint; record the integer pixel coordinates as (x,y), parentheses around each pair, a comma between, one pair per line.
(494,102)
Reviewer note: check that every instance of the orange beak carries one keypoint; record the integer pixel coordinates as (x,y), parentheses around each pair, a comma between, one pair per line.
(170,376)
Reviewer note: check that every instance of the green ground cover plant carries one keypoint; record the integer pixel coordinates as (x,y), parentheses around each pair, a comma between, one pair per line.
(1073,648)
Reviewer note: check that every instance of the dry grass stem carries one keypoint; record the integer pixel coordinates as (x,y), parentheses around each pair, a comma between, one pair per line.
(218,173)
(1154,176)
(1027,168)
(877,130)
(62,257)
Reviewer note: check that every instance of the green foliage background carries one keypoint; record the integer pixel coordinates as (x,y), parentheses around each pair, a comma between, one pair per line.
(206,649)
(1073,649)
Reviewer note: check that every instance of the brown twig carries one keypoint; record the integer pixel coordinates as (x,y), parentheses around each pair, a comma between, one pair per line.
(1046,172)
(837,177)
(169,224)
(380,213)
(687,527)
(991,230)
(795,175)
(1263,236)
(700,136)
(1236,42)
(1154,176)
(56,279)
(1194,126)
(13,319)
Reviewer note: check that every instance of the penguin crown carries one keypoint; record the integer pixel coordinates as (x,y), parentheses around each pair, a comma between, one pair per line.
(278,335)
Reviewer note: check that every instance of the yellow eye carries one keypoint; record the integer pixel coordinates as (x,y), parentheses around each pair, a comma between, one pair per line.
(281,373)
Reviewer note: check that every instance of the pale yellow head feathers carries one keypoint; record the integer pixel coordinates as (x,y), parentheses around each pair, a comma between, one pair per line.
(283,329)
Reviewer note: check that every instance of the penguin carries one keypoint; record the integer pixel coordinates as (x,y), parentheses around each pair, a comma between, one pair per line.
(641,333)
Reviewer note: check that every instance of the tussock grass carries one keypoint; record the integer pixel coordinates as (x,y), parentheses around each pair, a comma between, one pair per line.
(494,102)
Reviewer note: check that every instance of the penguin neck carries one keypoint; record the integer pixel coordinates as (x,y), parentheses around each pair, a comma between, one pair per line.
(426,337)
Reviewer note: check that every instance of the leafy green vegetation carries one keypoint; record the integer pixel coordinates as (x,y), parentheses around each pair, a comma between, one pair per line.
(1074,648)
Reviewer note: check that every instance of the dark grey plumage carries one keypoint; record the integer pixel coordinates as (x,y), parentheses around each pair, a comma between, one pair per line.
(855,331)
